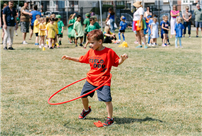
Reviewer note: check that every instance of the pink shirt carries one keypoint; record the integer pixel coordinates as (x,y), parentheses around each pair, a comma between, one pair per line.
(174,13)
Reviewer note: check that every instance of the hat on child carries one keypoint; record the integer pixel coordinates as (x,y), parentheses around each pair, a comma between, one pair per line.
(124,18)
(87,14)
(58,16)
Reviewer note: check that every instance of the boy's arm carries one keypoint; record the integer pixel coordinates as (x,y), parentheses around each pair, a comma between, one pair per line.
(70,58)
(123,58)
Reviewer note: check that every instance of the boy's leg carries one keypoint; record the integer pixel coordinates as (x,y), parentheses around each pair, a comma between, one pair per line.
(85,103)
(109,109)
(76,41)
(123,36)
(81,40)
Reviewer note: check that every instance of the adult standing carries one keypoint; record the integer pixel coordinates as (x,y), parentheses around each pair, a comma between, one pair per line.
(24,19)
(110,17)
(187,21)
(139,24)
(174,14)
(1,21)
(147,12)
(198,18)
(10,22)
(34,13)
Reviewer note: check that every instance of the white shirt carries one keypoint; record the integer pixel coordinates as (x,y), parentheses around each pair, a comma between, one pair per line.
(136,15)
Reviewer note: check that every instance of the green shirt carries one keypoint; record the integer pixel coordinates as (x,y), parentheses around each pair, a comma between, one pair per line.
(90,28)
(198,15)
(78,28)
(60,25)
(97,26)
(86,22)
(71,22)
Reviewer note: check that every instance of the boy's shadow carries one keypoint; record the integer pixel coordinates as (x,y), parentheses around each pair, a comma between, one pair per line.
(128,120)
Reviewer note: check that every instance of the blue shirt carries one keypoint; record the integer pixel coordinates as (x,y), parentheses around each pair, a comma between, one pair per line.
(178,29)
(10,16)
(111,16)
(150,22)
(34,13)
(123,25)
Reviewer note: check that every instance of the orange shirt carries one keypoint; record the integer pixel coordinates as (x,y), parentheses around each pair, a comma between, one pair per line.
(100,65)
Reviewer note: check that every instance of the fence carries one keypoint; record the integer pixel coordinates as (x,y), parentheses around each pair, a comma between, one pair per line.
(164,10)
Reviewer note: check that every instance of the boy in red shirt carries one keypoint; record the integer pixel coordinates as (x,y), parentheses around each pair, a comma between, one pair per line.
(101,59)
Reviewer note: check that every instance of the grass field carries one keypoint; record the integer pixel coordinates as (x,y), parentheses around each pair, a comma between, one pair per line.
(156,91)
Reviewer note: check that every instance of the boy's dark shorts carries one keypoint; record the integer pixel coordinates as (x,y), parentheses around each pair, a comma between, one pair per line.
(79,37)
(121,31)
(32,27)
(103,94)
(37,34)
(60,35)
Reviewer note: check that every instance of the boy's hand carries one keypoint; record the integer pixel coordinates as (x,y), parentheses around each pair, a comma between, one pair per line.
(76,33)
(66,57)
(61,31)
(124,57)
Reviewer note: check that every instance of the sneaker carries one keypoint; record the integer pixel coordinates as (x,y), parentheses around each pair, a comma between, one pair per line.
(5,48)
(197,36)
(36,44)
(108,122)
(176,46)
(153,44)
(136,42)
(51,48)
(85,113)
(39,46)
(81,45)
(16,34)
(145,46)
(11,48)
(189,36)
(163,45)
(139,46)
(24,42)
(168,43)
(75,45)
(149,44)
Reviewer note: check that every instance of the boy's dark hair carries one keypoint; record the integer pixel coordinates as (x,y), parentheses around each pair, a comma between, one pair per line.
(35,7)
(96,35)
(52,19)
(91,19)
(78,16)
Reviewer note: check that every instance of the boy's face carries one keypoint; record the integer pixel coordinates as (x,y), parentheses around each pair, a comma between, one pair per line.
(79,19)
(37,17)
(94,44)
(166,18)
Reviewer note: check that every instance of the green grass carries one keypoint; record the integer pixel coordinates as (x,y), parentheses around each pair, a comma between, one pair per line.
(156,91)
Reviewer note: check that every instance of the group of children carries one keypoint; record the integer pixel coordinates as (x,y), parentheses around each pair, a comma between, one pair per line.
(48,28)
(153,31)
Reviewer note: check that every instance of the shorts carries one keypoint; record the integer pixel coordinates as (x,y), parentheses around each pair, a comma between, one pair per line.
(165,32)
(25,27)
(103,94)
(32,27)
(122,31)
(198,24)
(79,37)
(60,35)
(37,34)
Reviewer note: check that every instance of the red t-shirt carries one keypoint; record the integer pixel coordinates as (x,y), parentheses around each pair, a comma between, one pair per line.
(100,65)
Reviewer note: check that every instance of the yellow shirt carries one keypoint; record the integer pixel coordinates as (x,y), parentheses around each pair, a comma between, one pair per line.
(51,30)
(36,27)
(56,26)
(42,32)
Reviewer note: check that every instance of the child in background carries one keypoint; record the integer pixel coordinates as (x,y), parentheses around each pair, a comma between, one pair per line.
(154,31)
(71,32)
(56,26)
(165,27)
(60,29)
(51,33)
(36,29)
(86,24)
(149,29)
(96,24)
(162,30)
(122,28)
(78,30)
(101,60)
(42,31)
(109,37)
(46,23)
(178,31)
(91,27)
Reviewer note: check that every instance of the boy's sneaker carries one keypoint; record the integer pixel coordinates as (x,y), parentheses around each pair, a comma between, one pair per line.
(140,46)
(81,45)
(149,44)
(108,122)
(24,42)
(5,48)
(11,48)
(85,113)
(197,36)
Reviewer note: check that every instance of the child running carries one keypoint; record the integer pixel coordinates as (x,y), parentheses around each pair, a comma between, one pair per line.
(78,31)
(42,32)
(60,29)
(178,32)
(51,32)
(36,29)
(101,60)
(165,27)
(122,28)
(154,31)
